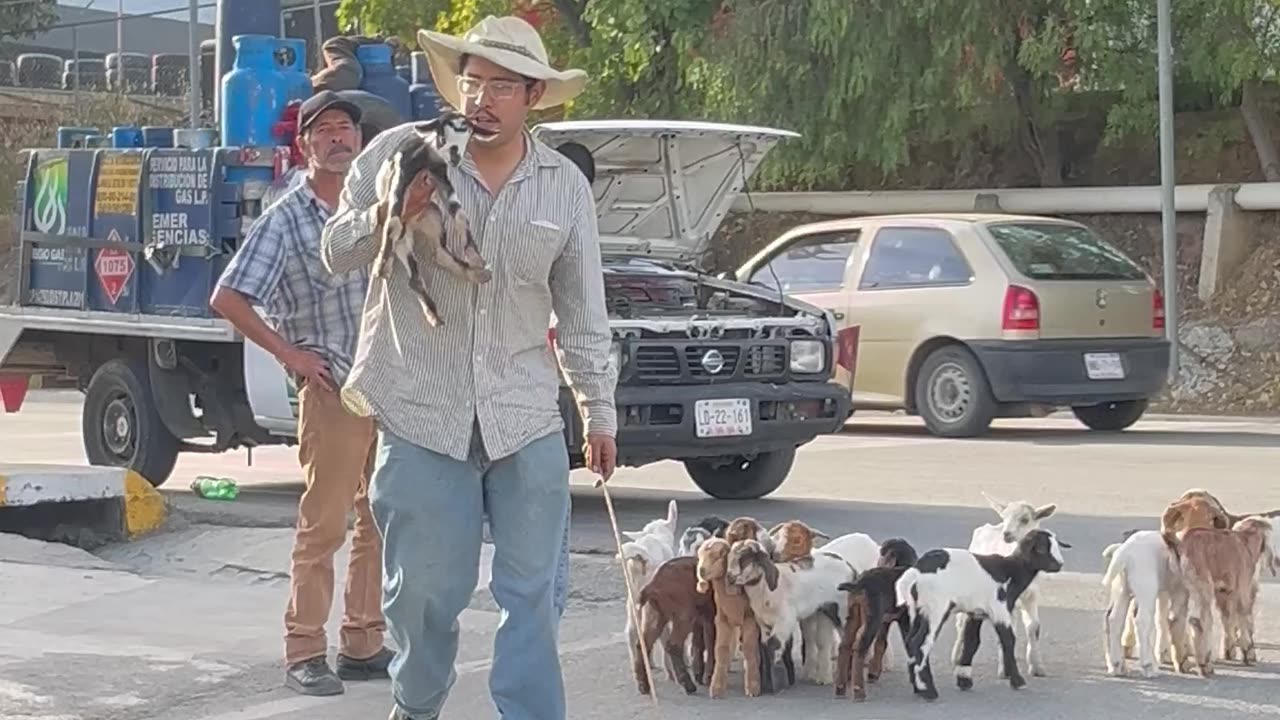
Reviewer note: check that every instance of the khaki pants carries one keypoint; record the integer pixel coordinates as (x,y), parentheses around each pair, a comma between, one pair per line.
(335,449)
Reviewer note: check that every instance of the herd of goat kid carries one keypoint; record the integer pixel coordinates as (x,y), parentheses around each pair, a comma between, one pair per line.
(730,589)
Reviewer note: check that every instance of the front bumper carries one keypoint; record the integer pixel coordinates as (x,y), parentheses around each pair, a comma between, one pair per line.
(1053,371)
(657,423)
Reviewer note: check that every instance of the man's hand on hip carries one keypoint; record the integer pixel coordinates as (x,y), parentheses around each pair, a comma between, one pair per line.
(602,455)
(309,365)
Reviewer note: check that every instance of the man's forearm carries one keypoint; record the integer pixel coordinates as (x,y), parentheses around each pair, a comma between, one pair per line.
(235,307)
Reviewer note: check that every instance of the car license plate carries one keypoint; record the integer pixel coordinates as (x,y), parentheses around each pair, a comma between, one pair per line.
(722,418)
(1103,366)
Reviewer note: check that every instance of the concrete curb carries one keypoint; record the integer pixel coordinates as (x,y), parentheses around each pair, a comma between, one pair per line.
(116,503)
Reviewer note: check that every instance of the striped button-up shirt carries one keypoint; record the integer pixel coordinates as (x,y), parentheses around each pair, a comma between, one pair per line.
(489,360)
(278,266)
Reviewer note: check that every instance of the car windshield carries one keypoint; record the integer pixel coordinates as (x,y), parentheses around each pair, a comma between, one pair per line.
(1049,251)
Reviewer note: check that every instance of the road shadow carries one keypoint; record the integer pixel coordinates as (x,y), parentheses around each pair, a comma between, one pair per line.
(1081,436)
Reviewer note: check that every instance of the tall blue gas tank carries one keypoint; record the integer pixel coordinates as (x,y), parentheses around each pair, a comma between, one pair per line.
(253,94)
(293,61)
(239,17)
(381,79)
(422,90)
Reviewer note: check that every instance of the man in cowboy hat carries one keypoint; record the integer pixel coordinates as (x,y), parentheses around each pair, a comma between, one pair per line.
(469,423)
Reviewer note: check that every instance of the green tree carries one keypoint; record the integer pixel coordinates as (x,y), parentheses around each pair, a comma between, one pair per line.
(1228,47)
(26,18)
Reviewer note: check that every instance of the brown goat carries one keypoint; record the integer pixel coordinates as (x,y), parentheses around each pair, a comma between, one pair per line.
(1221,567)
(873,610)
(734,620)
(1193,512)
(1231,519)
(793,540)
(671,598)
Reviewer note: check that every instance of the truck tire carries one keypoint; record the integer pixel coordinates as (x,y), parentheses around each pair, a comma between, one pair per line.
(1110,416)
(742,478)
(953,395)
(120,425)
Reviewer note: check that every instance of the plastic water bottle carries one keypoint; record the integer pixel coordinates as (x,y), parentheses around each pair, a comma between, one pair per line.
(215,488)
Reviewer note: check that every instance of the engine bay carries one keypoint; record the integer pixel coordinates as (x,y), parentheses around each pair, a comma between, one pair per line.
(643,290)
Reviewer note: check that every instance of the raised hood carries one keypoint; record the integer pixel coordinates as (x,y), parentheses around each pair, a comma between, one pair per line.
(663,187)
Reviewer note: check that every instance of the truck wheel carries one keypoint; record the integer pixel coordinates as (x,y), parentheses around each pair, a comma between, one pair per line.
(742,478)
(1110,416)
(952,393)
(120,425)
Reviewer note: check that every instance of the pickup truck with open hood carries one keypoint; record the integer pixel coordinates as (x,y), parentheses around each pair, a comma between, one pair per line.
(728,378)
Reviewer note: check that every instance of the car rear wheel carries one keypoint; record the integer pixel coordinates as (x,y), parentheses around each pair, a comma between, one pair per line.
(952,393)
(1111,416)
(741,478)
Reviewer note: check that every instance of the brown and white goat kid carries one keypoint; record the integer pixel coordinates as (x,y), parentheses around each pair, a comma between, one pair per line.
(784,594)
(1221,567)
(672,607)
(1017,518)
(873,609)
(982,586)
(734,621)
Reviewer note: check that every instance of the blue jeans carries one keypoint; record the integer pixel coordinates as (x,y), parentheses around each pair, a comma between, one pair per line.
(429,509)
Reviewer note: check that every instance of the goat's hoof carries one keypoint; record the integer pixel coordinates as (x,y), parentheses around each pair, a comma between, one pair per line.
(930,694)
(841,690)
(1017,682)
(1037,671)
(1250,657)
(1115,669)
(964,683)
(873,678)
(859,695)
(1148,671)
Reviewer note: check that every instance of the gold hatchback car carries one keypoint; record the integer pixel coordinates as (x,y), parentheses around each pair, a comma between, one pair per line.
(964,317)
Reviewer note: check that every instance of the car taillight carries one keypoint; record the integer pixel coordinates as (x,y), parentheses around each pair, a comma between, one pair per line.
(1021,309)
(1157,307)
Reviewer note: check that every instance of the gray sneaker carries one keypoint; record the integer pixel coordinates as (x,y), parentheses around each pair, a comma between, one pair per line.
(313,677)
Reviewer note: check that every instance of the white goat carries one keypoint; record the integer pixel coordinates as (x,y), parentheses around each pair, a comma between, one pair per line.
(1017,518)
(784,594)
(981,586)
(858,549)
(1144,571)
(643,553)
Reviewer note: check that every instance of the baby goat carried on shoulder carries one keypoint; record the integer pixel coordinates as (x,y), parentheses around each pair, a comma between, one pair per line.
(433,146)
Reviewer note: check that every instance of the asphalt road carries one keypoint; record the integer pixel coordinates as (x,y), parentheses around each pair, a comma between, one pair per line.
(186,624)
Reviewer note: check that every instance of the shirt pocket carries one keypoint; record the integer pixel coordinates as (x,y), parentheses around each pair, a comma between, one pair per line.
(538,245)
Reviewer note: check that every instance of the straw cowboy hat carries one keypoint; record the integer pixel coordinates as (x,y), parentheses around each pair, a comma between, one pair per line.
(506,41)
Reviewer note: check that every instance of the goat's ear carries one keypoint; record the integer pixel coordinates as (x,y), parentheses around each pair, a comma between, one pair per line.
(1064,545)
(671,513)
(818,535)
(1045,511)
(631,534)
(995,504)
(774,529)
(770,574)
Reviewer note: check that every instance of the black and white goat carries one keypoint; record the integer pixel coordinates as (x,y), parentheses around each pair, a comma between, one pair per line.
(981,586)
(429,150)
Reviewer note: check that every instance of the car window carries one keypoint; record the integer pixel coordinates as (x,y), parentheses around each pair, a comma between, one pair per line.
(813,263)
(908,257)
(1049,251)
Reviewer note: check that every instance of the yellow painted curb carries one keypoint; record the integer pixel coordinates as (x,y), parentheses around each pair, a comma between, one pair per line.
(144,507)
(4,491)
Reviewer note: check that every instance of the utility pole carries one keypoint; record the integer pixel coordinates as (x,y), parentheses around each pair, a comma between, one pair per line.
(1168,218)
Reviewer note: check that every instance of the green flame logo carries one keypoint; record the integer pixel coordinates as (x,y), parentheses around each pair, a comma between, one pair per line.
(49,212)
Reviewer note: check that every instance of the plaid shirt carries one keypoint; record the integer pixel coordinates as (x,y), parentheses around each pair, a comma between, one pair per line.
(489,360)
(278,266)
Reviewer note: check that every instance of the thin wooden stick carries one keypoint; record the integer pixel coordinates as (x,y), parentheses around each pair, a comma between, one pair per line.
(632,608)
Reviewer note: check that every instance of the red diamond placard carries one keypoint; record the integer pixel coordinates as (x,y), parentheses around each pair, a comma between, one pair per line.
(114,268)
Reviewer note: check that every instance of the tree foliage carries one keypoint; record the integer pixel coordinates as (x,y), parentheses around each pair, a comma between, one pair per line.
(867,82)
(25,18)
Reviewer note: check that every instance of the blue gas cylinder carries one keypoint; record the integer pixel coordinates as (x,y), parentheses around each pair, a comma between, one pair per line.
(293,64)
(73,137)
(381,79)
(126,136)
(253,94)
(426,101)
(158,137)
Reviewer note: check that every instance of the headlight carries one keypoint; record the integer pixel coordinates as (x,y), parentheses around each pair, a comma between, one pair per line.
(807,356)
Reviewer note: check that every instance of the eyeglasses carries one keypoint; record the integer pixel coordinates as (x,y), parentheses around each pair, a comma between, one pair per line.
(497,89)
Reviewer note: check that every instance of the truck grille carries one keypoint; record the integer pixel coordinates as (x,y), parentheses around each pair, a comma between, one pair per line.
(683,362)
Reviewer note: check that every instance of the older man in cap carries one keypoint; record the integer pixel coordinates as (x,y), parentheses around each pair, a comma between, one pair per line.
(316,318)
(468,417)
